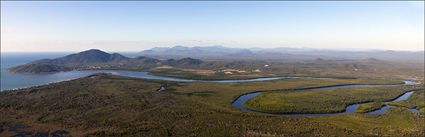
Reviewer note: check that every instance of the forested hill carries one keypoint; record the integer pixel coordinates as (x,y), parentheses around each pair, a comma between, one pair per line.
(97,59)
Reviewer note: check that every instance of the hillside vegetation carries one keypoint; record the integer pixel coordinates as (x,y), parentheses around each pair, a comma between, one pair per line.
(97,59)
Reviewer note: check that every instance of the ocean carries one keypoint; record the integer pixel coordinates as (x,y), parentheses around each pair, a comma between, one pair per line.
(11,80)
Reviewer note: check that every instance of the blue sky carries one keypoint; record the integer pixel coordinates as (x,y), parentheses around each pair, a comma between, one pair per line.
(134,26)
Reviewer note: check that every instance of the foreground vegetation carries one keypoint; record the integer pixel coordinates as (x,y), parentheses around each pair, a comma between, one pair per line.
(119,106)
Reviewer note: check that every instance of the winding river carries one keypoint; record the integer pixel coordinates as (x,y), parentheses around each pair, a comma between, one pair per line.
(239,102)
(16,81)
(383,109)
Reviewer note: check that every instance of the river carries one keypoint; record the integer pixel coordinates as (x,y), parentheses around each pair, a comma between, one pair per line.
(15,81)
(239,102)
(11,80)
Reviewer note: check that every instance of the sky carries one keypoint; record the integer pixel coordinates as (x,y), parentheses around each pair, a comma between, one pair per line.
(137,25)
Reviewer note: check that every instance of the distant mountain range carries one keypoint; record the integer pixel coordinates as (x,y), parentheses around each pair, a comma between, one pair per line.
(276,54)
(97,59)
(216,57)
(213,52)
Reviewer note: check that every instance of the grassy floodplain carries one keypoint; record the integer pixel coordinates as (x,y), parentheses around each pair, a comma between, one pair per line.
(417,100)
(367,107)
(322,100)
(225,93)
(120,106)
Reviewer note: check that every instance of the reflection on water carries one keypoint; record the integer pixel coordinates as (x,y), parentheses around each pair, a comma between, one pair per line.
(384,109)
(242,99)
(414,110)
(405,96)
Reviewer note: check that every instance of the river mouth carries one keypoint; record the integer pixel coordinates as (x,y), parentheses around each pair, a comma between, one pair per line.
(239,102)
(11,81)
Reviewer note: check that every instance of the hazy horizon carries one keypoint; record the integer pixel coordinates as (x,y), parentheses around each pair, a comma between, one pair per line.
(137,51)
(139,25)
